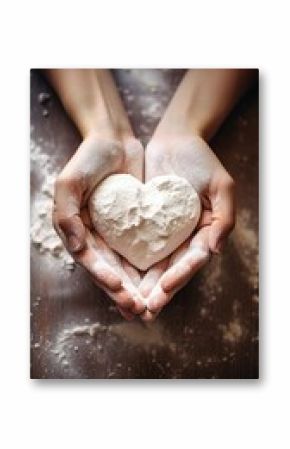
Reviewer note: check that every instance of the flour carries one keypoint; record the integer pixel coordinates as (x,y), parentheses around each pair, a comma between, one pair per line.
(144,223)
(233,331)
(134,334)
(43,235)
(148,94)
(138,335)
(246,241)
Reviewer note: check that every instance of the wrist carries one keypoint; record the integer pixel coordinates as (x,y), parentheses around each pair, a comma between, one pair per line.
(106,130)
(103,128)
(179,128)
(102,111)
(104,122)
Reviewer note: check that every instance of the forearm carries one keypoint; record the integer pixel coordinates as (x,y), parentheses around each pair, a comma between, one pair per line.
(91,99)
(203,100)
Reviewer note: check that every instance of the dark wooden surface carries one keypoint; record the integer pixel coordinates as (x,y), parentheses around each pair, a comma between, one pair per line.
(210,329)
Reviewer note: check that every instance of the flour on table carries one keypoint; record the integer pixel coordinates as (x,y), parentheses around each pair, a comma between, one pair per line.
(43,235)
(246,241)
(148,93)
(133,334)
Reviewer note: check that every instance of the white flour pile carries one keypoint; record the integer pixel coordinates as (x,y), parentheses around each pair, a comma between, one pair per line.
(43,235)
(144,222)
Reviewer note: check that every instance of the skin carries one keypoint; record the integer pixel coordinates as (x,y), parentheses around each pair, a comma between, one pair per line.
(202,101)
(108,146)
(216,190)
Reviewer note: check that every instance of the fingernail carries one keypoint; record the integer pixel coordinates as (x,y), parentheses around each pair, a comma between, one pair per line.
(73,243)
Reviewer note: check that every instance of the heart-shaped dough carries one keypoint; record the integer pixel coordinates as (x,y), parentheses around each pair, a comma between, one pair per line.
(144,222)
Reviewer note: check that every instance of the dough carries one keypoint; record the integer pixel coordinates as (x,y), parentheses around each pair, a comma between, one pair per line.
(144,222)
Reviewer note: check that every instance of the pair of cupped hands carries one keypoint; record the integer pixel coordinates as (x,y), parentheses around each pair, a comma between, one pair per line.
(135,293)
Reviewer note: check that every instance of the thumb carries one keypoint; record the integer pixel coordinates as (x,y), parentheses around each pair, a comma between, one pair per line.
(223,215)
(74,232)
(66,216)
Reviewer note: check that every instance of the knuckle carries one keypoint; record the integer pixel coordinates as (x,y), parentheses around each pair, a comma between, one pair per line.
(61,181)
(59,217)
(65,181)
(64,222)
(65,225)
(58,224)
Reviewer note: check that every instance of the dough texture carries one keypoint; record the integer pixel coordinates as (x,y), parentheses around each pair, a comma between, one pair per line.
(144,222)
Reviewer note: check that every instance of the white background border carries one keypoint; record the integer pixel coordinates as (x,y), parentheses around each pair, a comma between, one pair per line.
(202,414)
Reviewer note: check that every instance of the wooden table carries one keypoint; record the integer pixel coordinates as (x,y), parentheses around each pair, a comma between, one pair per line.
(210,329)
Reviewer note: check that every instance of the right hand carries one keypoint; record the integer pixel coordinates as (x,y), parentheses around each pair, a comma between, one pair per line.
(189,156)
(96,158)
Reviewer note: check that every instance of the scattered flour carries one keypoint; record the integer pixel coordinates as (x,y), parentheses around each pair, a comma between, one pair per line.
(139,335)
(211,279)
(43,235)
(150,78)
(246,241)
(65,336)
(135,334)
(148,93)
(233,331)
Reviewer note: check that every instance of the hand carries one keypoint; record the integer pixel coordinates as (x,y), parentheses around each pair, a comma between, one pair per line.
(200,104)
(97,157)
(190,157)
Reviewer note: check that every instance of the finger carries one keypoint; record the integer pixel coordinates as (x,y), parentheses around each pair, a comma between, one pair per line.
(113,260)
(86,219)
(72,231)
(123,295)
(205,219)
(182,271)
(157,299)
(179,252)
(66,216)
(132,272)
(125,314)
(223,215)
(139,302)
(100,271)
(149,317)
(118,299)
(152,276)
(91,259)
(134,162)
(123,299)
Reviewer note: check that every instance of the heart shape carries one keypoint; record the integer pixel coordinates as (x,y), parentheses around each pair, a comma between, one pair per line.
(144,222)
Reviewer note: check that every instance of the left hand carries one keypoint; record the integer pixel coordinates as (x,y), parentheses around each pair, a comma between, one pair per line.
(97,157)
(190,157)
